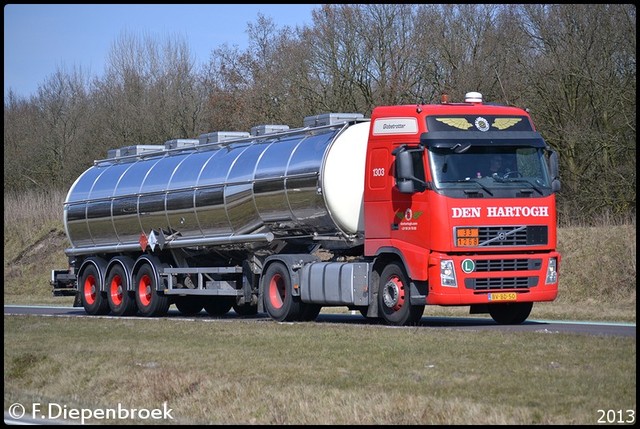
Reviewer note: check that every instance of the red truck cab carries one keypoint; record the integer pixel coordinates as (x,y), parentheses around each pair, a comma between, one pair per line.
(466,234)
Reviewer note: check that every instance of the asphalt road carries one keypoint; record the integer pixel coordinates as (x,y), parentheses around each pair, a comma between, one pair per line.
(457,323)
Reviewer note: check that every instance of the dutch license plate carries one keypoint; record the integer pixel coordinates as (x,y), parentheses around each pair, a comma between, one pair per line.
(502,296)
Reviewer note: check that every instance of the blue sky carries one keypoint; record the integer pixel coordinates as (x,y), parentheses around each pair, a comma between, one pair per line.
(40,38)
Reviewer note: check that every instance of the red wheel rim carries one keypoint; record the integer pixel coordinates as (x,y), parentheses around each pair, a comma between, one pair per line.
(89,290)
(144,290)
(276,291)
(116,290)
(394,293)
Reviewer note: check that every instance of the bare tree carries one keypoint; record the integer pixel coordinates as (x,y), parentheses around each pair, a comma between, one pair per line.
(263,84)
(581,71)
(150,92)
(43,135)
(334,71)
(19,117)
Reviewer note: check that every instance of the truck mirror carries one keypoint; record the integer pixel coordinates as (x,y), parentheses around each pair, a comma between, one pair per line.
(554,170)
(406,180)
(406,186)
(404,165)
(553,163)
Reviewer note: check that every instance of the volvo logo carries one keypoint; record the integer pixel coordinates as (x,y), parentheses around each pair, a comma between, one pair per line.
(482,124)
(502,236)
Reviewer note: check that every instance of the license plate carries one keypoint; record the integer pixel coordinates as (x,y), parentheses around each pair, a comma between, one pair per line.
(502,296)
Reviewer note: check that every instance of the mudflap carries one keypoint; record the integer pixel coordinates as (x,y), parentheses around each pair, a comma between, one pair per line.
(77,302)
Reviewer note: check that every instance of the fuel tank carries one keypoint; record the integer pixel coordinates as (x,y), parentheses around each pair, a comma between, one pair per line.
(301,183)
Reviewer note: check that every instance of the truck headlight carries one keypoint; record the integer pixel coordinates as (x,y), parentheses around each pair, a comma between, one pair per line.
(447,273)
(552,272)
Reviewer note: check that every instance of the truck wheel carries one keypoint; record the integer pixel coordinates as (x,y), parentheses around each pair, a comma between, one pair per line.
(278,294)
(150,302)
(363,311)
(189,305)
(245,309)
(393,297)
(510,313)
(309,312)
(121,300)
(218,306)
(93,301)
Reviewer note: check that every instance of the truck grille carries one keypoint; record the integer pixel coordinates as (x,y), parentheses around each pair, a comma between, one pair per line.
(486,265)
(500,265)
(497,236)
(497,283)
(501,236)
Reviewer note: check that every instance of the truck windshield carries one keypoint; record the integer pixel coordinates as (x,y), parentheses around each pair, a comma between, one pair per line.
(489,166)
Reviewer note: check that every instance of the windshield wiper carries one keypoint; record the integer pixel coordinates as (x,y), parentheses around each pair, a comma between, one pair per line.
(477,181)
(497,178)
(468,180)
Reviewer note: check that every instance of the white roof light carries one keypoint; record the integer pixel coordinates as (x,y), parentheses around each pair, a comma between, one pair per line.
(473,97)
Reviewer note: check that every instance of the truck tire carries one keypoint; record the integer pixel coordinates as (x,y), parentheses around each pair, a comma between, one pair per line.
(394,300)
(277,292)
(93,301)
(363,311)
(309,312)
(121,300)
(218,306)
(189,305)
(150,301)
(245,309)
(510,313)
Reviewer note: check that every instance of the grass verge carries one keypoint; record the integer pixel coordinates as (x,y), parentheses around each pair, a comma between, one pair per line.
(248,372)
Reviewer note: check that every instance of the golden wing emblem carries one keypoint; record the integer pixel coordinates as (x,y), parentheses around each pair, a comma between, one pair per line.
(460,123)
(504,123)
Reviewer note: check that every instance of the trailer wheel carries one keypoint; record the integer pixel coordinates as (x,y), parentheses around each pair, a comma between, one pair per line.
(510,313)
(218,306)
(121,300)
(150,301)
(394,297)
(189,305)
(277,291)
(93,301)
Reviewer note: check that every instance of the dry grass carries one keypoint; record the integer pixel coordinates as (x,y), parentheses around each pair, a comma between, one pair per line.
(235,372)
(25,215)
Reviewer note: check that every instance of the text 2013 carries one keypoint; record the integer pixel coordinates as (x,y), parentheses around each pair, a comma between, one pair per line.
(616,416)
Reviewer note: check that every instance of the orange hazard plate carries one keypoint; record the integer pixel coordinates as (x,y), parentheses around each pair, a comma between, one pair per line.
(509,296)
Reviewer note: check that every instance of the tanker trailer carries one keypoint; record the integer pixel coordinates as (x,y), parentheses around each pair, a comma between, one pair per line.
(192,222)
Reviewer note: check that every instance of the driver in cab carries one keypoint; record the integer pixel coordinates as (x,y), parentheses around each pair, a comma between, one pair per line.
(499,168)
(495,166)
